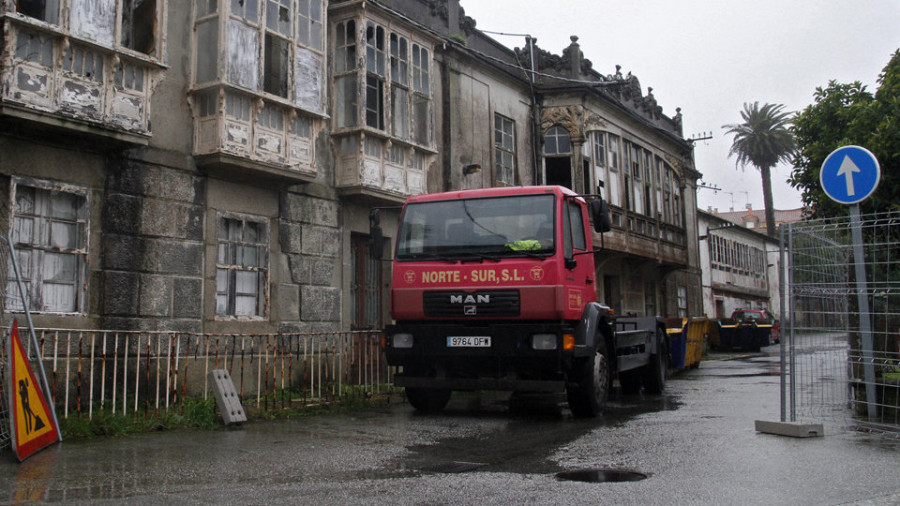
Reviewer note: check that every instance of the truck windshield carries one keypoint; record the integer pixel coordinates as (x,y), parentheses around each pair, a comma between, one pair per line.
(483,228)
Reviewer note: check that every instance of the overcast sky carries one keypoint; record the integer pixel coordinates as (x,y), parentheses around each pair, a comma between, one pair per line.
(709,57)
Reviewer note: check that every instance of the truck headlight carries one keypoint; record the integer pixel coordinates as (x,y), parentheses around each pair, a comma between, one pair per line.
(543,341)
(402,340)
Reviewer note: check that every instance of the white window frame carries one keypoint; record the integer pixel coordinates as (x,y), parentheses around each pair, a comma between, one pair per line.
(504,148)
(41,254)
(232,264)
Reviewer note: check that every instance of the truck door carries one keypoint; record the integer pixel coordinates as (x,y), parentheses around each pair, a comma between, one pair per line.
(580,273)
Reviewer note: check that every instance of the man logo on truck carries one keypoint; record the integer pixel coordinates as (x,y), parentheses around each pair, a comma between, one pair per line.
(470,299)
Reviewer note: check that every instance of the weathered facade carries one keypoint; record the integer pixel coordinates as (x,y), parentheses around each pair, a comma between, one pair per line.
(210,166)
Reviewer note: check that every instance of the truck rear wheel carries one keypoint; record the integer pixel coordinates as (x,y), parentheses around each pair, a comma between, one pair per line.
(592,376)
(655,372)
(428,400)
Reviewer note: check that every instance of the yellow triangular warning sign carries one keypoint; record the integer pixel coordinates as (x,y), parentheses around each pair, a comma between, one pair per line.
(32,425)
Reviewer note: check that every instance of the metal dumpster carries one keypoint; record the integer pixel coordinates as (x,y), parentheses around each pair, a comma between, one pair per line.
(697,335)
(687,339)
(738,334)
(676,331)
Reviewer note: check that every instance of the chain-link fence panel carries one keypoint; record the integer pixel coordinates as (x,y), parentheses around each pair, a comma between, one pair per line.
(843,331)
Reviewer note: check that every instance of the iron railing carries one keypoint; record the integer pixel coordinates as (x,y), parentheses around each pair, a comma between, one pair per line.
(133,372)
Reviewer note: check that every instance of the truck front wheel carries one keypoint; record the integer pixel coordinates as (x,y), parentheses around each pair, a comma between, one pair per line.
(428,400)
(587,394)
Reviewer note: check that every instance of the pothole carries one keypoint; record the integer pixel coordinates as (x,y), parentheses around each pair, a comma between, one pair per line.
(601,475)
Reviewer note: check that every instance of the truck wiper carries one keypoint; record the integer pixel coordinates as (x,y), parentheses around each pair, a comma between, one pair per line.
(429,256)
(481,256)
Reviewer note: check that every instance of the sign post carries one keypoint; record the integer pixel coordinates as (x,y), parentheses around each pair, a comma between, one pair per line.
(849,175)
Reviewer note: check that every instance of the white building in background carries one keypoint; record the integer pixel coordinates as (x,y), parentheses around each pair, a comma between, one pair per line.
(739,267)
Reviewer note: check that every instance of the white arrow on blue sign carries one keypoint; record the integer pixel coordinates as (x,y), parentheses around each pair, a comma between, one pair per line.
(850,174)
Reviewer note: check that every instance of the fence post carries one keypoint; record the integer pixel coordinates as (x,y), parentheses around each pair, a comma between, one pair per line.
(782,285)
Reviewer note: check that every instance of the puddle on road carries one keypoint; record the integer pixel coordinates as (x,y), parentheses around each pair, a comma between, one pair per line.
(601,475)
(528,431)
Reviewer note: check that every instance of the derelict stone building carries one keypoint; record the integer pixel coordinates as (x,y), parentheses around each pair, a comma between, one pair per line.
(209,166)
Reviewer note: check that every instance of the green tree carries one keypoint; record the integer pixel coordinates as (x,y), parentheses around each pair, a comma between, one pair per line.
(763,140)
(848,114)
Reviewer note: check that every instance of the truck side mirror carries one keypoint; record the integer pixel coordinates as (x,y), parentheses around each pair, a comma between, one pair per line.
(376,235)
(600,215)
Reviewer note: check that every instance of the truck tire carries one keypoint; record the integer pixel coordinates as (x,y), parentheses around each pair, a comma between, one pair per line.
(588,393)
(428,400)
(656,371)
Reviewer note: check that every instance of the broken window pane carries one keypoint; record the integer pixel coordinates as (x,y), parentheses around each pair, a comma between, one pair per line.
(275,73)
(278,16)
(45,10)
(139,25)
(247,9)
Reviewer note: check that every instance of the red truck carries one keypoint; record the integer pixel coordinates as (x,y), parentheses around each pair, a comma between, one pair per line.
(495,289)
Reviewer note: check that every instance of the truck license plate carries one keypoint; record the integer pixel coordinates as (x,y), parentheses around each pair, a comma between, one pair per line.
(469,342)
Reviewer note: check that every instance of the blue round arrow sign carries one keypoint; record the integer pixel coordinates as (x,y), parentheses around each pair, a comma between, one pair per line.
(850,174)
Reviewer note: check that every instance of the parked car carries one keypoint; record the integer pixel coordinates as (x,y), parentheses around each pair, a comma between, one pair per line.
(762,319)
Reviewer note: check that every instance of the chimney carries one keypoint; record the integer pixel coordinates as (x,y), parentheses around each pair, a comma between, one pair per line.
(453,9)
(575,56)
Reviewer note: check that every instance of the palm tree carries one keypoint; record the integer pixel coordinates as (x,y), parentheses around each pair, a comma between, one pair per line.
(763,140)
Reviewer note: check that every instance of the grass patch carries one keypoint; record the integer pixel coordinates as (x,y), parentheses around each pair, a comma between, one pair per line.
(199,414)
(194,414)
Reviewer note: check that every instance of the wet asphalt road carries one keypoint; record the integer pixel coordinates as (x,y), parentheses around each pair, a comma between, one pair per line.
(696,445)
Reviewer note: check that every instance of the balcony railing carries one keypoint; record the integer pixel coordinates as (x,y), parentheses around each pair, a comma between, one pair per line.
(368,165)
(242,134)
(55,78)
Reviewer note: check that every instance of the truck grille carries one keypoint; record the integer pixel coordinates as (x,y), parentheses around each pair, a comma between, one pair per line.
(480,304)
